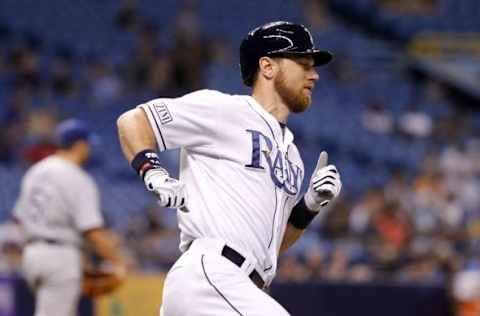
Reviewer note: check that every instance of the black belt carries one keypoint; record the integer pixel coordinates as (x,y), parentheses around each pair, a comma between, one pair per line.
(238,260)
(46,241)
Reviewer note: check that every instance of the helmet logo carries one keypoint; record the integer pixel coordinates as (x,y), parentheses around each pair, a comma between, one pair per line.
(290,43)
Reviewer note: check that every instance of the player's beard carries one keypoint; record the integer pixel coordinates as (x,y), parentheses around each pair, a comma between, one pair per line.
(295,99)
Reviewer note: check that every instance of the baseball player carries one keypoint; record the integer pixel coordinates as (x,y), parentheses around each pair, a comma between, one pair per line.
(238,193)
(58,208)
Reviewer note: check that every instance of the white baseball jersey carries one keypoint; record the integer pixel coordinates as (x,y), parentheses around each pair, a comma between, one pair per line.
(241,169)
(58,200)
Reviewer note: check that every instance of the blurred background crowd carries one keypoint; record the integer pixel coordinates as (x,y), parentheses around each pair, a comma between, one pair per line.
(397,111)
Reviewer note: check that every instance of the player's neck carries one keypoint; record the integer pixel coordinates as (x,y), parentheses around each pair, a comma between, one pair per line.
(272,103)
(70,156)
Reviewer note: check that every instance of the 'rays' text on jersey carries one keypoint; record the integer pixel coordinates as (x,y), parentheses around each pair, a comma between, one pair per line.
(285,175)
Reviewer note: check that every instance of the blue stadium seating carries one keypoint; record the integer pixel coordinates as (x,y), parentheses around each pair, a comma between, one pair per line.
(333,122)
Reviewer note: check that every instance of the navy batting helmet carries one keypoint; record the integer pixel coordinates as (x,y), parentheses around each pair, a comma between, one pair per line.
(277,39)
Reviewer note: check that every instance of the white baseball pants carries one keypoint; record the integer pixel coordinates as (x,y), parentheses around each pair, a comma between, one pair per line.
(54,272)
(204,283)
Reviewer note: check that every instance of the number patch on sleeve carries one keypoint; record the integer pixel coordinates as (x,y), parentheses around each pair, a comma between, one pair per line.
(163,113)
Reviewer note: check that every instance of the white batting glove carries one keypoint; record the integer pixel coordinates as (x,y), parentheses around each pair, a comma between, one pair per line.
(170,192)
(325,185)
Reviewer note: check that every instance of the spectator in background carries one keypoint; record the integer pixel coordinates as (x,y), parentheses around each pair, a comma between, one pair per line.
(376,119)
(417,7)
(165,71)
(360,220)
(315,262)
(127,18)
(361,271)
(452,215)
(338,266)
(27,72)
(190,53)
(398,189)
(423,269)
(393,225)
(473,152)
(466,289)
(101,82)
(13,128)
(415,123)
(159,79)
(137,71)
(292,270)
(153,242)
(23,64)
(40,127)
(336,224)
(61,76)
(317,15)
(428,199)
(221,51)
(343,71)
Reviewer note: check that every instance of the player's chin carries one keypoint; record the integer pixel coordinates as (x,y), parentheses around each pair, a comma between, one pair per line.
(302,104)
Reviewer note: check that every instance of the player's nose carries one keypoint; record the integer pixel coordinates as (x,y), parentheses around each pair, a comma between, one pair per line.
(314,75)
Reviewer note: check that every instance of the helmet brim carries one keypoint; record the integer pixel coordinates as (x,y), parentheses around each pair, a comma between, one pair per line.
(320,57)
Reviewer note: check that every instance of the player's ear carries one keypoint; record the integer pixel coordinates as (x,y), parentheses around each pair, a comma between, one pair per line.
(267,67)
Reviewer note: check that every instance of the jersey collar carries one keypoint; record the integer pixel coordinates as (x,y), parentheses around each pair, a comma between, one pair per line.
(283,134)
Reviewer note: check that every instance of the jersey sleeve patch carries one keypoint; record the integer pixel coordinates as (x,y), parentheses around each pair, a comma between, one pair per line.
(163,113)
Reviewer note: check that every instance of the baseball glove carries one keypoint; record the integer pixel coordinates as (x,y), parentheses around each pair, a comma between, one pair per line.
(101,281)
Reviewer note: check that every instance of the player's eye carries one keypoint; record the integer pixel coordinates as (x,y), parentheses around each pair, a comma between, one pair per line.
(306,65)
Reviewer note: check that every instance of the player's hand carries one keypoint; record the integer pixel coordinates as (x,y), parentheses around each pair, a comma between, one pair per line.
(103,280)
(325,184)
(170,192)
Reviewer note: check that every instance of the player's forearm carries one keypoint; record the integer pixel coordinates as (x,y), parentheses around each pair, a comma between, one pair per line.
(104,245)
(299,219)
(135,133)
(292,234)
